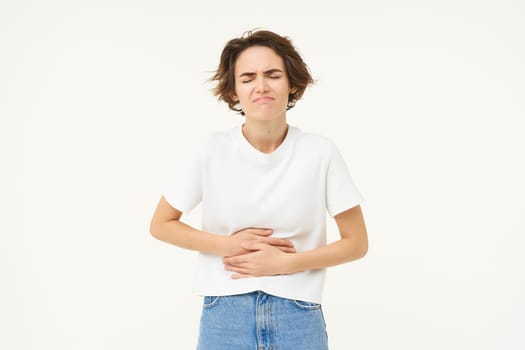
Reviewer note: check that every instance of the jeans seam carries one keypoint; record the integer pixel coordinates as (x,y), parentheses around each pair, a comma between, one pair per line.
(207,306)
(307,307)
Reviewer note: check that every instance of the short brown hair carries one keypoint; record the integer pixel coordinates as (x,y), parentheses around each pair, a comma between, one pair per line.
(296,70)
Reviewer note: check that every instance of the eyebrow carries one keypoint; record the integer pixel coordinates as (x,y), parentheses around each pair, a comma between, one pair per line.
(266,72)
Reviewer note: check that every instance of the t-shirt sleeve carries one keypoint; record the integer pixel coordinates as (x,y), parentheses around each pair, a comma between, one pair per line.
(341,192)
(185,190)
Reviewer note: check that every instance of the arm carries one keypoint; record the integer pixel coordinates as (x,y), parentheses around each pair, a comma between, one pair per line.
(265,261)
(166,226)
(353,244)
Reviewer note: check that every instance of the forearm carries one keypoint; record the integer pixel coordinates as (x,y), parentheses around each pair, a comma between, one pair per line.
(185,236)
(264,260)
(352,245)
(339,252)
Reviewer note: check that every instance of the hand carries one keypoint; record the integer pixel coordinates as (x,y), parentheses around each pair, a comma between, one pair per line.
(255,235)
(263,260)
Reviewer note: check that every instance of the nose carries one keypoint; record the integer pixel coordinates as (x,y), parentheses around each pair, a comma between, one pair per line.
(261,85)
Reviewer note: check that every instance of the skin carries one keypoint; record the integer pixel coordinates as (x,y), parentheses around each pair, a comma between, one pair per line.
(264,260)
(166,226)
(262,88)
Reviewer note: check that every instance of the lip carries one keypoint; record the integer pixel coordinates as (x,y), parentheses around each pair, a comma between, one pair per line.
(263,99)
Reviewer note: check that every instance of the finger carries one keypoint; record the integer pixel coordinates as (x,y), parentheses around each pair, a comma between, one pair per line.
(278,241)
(255,231)
(239,259)
(231,267)
(287,249)
(261,231)
(252,245)
(238,276)
(234,260)
(237,269)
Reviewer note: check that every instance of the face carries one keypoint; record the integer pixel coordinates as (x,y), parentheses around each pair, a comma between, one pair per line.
(261,84)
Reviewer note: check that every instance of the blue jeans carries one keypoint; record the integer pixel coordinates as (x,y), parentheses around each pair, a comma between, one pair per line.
(259,321)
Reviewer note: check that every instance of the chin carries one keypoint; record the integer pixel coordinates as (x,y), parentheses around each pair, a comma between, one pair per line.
(265,116)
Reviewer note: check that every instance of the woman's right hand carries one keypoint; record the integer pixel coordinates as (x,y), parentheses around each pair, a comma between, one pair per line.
(260,235)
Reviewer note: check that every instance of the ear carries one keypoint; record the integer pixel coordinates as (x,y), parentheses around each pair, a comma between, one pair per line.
(234,97)
(293,90)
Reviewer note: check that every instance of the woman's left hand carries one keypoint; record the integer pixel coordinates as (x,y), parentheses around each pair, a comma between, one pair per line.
(263,260)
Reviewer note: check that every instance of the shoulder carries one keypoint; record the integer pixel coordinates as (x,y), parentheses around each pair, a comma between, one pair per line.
(316,143)
(214,139)
(212,143)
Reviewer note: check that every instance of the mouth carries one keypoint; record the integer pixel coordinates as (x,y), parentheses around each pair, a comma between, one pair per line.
(263,99)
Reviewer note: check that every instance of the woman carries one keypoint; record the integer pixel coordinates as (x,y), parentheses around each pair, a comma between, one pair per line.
(265,187)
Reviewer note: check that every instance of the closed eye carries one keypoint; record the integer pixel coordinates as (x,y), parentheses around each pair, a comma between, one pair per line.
(270,73)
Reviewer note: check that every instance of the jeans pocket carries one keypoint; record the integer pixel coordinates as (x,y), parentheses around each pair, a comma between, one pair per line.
(210,301)
(306,305)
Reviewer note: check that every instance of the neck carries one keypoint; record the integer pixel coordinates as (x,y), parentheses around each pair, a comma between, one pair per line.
(265,136)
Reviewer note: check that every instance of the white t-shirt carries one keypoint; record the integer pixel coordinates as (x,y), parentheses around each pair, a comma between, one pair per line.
(288,190)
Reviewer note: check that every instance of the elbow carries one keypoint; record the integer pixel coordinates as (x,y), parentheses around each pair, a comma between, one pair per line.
(363,244)
(360,249)
(356,249)
(154,230)
(363,249)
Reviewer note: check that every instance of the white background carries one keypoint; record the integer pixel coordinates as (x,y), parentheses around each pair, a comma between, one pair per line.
(99,100)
